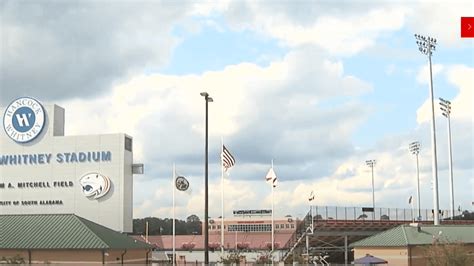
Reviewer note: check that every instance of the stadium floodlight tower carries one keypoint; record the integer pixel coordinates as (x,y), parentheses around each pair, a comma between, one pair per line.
(206,192)
(445,106)
(371,164)
(415,149)
(427,45)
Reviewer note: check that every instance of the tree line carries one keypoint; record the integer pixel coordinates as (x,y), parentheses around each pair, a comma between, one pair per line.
(158,226)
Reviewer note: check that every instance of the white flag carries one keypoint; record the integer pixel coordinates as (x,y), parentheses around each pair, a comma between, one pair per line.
(311,196)
(271,177)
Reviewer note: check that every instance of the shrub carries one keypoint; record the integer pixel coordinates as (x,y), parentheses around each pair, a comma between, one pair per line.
(442,253)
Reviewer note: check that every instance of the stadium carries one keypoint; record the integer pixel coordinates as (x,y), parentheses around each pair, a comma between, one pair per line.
(68,199)
(325,236)
(64,198)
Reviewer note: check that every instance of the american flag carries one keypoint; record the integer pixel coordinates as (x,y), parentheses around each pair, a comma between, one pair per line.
(227,159)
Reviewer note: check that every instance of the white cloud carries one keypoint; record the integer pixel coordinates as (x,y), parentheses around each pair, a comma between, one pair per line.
(243,109)
(346,36)
(343,33)
(302,110)
(276,111)
(462,78)
(345,28)
(252,110)
(441,20)
(57,50)
(423,75)
(240,93)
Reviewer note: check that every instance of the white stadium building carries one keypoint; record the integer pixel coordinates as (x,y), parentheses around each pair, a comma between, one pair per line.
(44,172)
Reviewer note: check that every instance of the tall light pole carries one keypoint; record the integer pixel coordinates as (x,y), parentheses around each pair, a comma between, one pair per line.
(371,164)
(445,106)
(206,194)
(415,149)
(427,45)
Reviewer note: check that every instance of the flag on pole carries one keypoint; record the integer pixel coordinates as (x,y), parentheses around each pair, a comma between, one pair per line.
(409,200)
(311,196)
(181,183)
(227,159)
(271,177)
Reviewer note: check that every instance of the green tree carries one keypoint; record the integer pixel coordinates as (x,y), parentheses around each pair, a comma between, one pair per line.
(193,218)
(264,257)
(158,226)
(232,257)
(193,225)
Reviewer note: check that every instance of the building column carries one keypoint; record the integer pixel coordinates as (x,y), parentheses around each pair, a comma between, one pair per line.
(346,257)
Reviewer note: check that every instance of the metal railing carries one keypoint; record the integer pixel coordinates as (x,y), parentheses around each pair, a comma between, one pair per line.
(336,213)
(295,239)
(379,214)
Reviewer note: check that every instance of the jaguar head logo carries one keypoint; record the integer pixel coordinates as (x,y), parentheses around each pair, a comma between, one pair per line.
(95,185)
(182,184)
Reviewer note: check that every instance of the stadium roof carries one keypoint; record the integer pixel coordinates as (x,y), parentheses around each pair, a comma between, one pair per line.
(405,235)
(60,231)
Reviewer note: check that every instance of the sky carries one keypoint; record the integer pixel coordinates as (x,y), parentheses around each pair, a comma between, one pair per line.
(319,87)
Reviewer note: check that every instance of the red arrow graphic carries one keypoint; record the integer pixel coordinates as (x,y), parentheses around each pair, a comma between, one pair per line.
(466,27)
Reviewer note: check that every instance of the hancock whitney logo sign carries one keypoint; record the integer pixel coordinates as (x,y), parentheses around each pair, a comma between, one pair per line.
(24,119)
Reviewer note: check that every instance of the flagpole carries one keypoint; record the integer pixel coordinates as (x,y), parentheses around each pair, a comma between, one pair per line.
(174,222)
(222,198)
(146,234)
(311,212)
(227,161)
(273,218)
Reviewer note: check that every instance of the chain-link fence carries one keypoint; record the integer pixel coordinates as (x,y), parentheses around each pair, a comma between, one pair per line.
(377,214)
